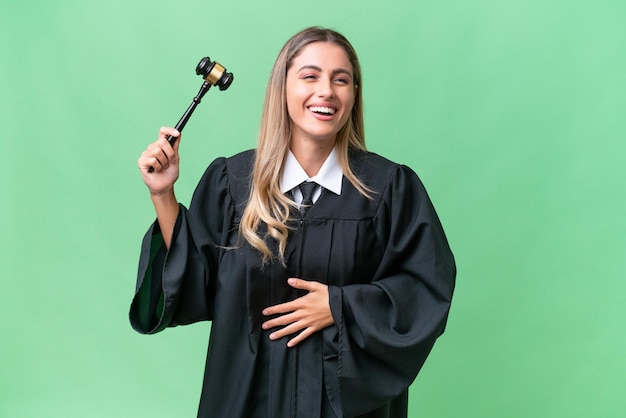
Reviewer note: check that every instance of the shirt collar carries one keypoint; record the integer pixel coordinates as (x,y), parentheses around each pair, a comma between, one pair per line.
(329,177)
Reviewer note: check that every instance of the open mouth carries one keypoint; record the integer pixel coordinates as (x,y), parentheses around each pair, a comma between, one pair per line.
(323,110)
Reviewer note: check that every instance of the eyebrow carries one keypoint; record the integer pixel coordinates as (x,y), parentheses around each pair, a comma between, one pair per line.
(316,68)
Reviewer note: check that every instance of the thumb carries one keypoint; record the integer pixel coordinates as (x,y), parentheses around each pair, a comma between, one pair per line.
(178,136)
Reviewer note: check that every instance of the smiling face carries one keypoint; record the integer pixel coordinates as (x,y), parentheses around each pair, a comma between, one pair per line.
(320,93)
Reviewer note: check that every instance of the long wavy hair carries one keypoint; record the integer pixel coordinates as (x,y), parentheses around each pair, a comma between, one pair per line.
(267,205)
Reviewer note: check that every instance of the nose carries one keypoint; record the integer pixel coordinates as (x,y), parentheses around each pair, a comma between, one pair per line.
(326,87)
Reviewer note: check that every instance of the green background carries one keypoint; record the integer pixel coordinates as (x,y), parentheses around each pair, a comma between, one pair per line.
(512,112)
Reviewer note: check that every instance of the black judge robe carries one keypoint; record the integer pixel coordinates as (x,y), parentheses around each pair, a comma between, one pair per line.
(390,276)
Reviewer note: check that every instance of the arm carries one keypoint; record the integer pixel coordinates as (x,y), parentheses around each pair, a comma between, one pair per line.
(175,284)
(164,158)
(388,326)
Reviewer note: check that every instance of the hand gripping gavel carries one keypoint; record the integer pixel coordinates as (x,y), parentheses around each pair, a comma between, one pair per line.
(214,75)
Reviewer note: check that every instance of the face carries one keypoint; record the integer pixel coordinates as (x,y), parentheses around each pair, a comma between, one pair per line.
(320,92)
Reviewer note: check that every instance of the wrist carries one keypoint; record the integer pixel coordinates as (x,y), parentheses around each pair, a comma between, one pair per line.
(164,199)
(163,195)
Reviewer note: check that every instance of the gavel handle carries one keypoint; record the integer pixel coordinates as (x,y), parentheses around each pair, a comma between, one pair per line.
(183,120)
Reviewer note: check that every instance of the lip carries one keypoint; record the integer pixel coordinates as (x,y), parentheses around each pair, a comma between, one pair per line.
(322,106)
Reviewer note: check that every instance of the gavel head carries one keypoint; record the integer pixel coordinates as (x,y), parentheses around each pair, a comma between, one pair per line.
(214,73)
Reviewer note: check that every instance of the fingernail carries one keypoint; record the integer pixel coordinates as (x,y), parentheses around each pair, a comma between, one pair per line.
(291,281)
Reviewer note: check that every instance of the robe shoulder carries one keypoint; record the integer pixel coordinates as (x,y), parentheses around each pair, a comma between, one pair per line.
(225,176)
(381,174)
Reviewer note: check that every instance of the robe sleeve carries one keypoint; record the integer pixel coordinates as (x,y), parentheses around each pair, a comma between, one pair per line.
(388,326)
(176,287)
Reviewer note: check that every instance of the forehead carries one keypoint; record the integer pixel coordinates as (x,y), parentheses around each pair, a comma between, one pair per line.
(325,55)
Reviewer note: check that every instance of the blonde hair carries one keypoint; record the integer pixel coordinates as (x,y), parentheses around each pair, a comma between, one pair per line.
(266,204)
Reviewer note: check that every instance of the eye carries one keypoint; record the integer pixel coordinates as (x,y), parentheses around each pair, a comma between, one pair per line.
(308,77)
(342,80)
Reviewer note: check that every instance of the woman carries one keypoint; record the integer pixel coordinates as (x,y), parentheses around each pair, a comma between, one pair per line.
(323,303)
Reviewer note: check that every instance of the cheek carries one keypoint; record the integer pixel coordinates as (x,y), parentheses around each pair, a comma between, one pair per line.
(348,98)
(295,99)
(349,104)
(292,109)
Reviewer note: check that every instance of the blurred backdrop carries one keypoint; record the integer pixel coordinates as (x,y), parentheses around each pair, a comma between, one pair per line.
(512,113)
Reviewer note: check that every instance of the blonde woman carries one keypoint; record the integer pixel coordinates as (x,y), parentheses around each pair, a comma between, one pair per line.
(323,267)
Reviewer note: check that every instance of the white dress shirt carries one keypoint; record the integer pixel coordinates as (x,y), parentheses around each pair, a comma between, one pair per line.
(329,177)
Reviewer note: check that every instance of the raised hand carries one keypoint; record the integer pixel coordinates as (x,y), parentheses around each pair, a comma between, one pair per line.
(164,159)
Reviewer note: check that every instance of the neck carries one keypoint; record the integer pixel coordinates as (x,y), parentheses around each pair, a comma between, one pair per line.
(311,154)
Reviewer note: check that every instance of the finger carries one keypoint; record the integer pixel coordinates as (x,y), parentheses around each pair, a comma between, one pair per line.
(288,330)
(166,131)
(177,142)
(302,284)
(165,157)
(306,333)
(163,148)
(164,152)
(281,321)
(158,162)
(164,137)
(282,308)
(148,159)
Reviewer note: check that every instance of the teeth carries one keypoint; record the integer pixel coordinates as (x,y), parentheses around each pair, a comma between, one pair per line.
(322,109)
